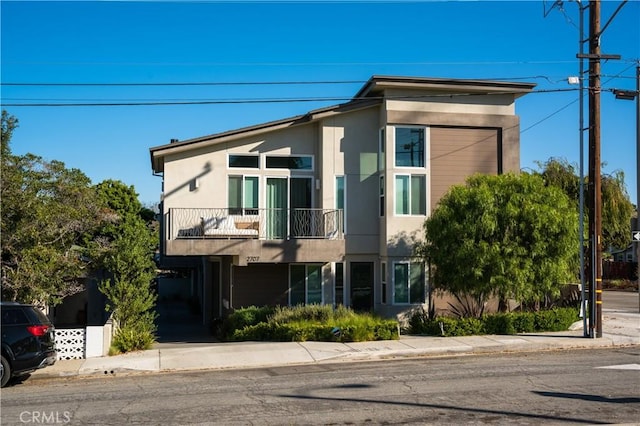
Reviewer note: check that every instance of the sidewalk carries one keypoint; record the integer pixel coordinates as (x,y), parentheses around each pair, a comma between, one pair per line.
(619,329)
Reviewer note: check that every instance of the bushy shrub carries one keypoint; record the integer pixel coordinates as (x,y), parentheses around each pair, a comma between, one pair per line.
(458,326)
(525,322)
(134,337)
(557,319)
(304,323)
(244,317)
(499,324)
(320,313)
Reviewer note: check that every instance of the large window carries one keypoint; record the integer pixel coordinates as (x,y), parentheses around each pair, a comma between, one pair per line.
(305,285)
(411,195)
(410,147)
(408,283)
(243,194)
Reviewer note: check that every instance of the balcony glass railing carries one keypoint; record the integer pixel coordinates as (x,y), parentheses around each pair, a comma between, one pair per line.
(266,224)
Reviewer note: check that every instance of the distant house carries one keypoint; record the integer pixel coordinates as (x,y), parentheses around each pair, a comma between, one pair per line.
(326,207)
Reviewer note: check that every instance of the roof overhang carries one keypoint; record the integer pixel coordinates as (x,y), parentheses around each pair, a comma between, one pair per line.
(376,86)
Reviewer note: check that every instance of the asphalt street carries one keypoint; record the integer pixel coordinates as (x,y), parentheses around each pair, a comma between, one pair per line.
(573,387)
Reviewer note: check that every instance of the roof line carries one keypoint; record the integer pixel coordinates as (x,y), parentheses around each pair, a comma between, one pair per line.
(298,119)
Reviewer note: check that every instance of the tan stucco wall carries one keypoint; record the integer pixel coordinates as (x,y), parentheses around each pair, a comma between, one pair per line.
(208,165)
(350,148)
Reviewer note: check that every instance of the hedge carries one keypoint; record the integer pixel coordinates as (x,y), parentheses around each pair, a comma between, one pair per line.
(557,319)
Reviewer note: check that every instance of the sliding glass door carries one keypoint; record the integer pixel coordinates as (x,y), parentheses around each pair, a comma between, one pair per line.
(289,207)
(277,200)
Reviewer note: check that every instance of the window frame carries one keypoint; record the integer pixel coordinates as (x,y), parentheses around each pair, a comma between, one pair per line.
(425,147)
(382,142)
(268,156)
(244,210)
(383,282)
(423,296)
(344,200)
(409,195)
(306,282)
(229,166)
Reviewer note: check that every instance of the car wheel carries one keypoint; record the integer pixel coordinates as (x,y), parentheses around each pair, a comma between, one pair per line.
(5,372)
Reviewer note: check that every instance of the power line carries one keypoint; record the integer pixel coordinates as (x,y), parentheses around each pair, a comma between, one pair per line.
(310,64)
(254,100)
(576,100)
(229,83)
(211,83)
(550,115)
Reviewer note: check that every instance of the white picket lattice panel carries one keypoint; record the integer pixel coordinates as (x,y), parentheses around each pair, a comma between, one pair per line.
(70,343)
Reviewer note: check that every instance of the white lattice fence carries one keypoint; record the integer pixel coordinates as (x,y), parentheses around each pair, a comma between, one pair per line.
(70,343)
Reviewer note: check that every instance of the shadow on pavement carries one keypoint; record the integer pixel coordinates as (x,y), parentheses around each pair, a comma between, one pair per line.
(177,324)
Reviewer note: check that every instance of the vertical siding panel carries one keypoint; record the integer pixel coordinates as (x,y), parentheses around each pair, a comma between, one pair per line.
(457,153)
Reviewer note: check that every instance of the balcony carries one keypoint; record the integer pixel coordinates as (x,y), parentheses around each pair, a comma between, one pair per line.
(255,235)
(263,224)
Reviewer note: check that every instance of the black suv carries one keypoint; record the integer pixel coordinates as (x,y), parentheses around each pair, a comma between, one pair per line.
(27,340)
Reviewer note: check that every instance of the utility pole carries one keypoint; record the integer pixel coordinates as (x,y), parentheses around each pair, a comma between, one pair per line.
(594,192)
(638,176)
(595,189)
(583,291)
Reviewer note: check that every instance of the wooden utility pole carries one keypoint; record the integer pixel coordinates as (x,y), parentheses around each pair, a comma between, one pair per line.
(595,191)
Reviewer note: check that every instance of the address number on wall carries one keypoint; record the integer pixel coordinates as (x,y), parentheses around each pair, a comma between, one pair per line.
(253,259)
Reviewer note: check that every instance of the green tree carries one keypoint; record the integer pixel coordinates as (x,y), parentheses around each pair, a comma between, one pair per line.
(617,208)
(8,124)
(617,211)
(129,264)
(508,236)
(47,210)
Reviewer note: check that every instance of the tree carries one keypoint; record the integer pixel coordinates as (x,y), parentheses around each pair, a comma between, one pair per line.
(509,236)
(129,263)
(8,125)
(617,208)
(47,211)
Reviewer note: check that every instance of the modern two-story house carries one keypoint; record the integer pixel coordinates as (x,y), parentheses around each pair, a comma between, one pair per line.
(327,207)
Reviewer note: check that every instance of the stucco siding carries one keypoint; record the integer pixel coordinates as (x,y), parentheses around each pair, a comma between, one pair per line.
(497,104)
(350,149)
(198,178)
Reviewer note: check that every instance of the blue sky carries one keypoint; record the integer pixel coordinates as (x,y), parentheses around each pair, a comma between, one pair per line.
(259,41)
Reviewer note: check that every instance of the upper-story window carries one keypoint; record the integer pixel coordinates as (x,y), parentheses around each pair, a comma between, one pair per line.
(293,162)
(244,161)
(243,194)
(411,195)
(381,143)
(410,147)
